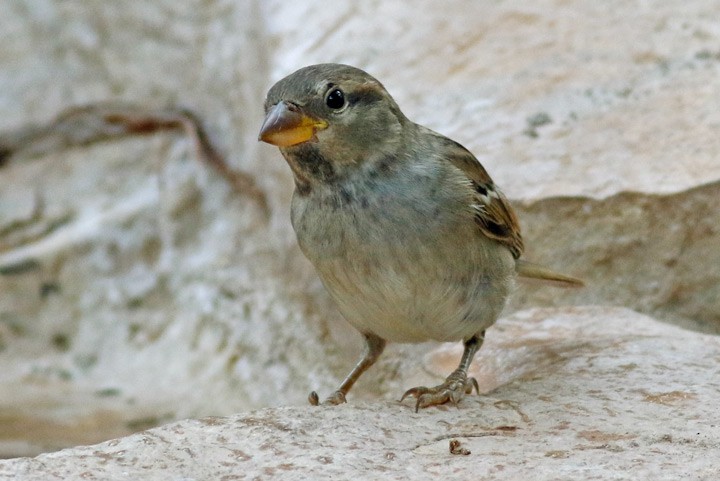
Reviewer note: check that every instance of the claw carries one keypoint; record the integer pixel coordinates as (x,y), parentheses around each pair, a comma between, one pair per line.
(336,398)
(473,383)
(452,390)
(456,396)
(333,400)
(415,392)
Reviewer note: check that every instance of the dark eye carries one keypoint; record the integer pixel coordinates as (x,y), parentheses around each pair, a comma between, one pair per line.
(335,99)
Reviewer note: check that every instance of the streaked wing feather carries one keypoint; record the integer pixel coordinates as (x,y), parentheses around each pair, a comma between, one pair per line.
(493,213)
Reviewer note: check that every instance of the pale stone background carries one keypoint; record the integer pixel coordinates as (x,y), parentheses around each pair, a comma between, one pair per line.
(137,288)
(570,400)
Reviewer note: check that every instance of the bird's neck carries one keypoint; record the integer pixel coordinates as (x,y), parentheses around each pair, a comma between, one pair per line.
(310,167)
(313,169)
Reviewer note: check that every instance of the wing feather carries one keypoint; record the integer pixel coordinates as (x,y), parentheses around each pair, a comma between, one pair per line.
(494,215)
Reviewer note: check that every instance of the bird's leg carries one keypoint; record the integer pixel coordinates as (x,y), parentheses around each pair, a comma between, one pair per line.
(374,346)
(456,385)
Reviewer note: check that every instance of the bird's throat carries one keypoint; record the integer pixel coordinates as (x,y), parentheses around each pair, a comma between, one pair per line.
(309,167)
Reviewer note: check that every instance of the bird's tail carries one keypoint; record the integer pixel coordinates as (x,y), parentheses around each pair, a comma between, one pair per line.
(536,271)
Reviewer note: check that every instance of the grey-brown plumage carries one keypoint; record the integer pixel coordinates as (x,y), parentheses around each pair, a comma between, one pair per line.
(406,229)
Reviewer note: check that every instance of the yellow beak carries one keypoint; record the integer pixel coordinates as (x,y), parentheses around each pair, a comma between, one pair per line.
(286,124)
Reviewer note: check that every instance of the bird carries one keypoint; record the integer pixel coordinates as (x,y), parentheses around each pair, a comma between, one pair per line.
(406,229)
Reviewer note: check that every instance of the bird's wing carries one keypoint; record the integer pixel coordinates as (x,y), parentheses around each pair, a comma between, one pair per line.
(493,213)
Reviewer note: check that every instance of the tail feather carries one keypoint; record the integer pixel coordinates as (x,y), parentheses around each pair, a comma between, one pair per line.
(536,271)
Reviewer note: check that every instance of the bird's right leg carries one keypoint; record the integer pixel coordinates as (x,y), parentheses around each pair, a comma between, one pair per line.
(374,346)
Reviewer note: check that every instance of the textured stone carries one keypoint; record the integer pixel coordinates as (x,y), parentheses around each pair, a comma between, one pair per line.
(630,89)
(137,288)
(604,394)
(651,252)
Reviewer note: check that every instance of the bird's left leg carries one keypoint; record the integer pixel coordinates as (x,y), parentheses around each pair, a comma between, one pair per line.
(456,385)
(374,346)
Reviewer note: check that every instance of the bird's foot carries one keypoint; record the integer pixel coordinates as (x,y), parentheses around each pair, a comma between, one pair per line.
(333,400)
(455,387)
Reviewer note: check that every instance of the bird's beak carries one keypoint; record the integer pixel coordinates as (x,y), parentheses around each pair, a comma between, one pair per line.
(286,124)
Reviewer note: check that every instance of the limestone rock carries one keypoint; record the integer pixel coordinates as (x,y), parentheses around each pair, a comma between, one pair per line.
(137,288)
(570,394)
(652,252)
(628,90)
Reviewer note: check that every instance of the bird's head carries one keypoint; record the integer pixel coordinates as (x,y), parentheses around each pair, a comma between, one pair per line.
(328,119)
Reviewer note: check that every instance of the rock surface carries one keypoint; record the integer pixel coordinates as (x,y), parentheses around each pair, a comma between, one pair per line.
(584,393)
(136,287)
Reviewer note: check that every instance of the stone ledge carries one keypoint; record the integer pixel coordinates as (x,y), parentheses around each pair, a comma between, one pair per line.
(647,252)
(576,393)
(140,304)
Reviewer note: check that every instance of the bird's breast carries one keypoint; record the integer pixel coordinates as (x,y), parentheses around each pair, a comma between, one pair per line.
(403,262)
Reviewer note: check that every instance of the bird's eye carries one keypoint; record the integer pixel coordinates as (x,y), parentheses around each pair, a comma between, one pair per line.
(335,99)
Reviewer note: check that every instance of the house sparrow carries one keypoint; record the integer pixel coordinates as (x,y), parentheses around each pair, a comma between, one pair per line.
(406,229)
